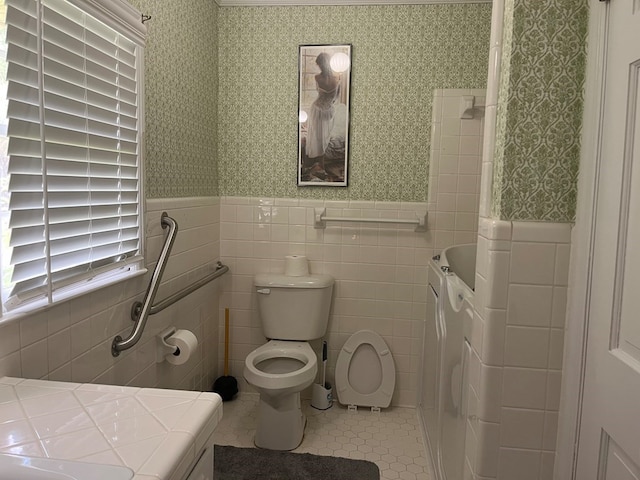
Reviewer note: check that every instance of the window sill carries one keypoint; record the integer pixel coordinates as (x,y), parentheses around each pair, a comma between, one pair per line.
(71,293)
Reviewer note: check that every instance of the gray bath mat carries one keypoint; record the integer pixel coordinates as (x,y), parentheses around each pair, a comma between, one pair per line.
(233,463)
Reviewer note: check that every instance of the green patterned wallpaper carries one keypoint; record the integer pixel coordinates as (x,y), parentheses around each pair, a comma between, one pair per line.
(400,55)
(181,87)
(540,110)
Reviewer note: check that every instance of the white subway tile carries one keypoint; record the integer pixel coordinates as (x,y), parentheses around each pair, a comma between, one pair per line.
(262,232)
(448,164)
(244,213)
(470,145)
(470,165)
(466,203)
(298,215)
(297,233)
(491,380)
(546,465)
(33,329)
(287,202)
(468,184)
(487,455)
(532,263)
(9,337)
(471,127)
(556,348)
(497,287)
(477,328)
(526,347)
(10,365)
(554,379)
(519,464)
(460,238)
(494,229)
(521,428)
(482,256)
(279,215)
(530,305)
(243,231)
(524,388)
(544,232)
(561,276)
(451,107)
(59,349)
(470,445)
(550,431)
(262,214)
(559,308)
(34,360)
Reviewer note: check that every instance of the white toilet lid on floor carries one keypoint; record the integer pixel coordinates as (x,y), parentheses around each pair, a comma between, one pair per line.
(365,372)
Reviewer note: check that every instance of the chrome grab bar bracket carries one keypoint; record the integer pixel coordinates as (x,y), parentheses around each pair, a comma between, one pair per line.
(136,310)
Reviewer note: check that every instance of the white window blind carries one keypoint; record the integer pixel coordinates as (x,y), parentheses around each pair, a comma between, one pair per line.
(74,120)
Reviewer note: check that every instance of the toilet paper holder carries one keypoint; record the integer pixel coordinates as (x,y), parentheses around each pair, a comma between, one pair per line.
(163,348)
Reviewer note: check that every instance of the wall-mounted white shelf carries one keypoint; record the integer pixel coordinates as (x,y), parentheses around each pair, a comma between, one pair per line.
(321,220)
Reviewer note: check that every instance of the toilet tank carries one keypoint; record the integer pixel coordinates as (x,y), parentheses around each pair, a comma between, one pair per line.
(294,308)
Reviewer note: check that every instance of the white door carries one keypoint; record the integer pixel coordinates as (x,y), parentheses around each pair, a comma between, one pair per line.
(609,445)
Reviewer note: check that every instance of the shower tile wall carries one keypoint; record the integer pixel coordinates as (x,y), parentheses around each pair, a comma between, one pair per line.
(72,341)
(455,167)
(517,339)
(380,273)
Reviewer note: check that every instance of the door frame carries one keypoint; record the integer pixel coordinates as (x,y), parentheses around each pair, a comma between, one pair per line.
(582,243)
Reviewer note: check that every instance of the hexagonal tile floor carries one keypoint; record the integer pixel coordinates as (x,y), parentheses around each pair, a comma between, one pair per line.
(392,438)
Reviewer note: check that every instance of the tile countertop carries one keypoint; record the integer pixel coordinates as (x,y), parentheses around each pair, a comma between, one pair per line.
(157,433)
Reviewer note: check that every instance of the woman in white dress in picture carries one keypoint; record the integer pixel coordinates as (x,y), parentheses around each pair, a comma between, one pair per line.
(321,116)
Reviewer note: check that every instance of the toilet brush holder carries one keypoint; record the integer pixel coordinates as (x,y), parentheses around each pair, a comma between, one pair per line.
(321,396)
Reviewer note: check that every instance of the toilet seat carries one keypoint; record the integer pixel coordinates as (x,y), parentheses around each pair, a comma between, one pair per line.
(355,363)
(299,378)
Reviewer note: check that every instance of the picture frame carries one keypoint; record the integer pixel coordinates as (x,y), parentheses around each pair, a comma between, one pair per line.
(324,88)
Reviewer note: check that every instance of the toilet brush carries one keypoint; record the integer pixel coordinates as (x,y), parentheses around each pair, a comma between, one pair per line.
(226,386)
(321,397)
(324,364)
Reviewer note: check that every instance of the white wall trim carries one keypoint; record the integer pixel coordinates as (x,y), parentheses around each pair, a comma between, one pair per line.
(580,269)
(274,3)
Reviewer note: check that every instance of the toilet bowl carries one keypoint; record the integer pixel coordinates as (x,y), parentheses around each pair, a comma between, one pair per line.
(365,372)
(281,367)
(280,370)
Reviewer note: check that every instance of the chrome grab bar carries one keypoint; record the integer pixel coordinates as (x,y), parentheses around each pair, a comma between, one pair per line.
(167,302)
(119,344)
(320,219)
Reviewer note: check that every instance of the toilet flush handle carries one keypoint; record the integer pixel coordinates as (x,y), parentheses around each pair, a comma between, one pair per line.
(264,291)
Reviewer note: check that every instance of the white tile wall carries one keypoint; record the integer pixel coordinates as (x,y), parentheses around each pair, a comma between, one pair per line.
(520,305)
(455,167)
(72,341)
(380,273)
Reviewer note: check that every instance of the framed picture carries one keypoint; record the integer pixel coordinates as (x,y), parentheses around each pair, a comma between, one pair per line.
(323,109)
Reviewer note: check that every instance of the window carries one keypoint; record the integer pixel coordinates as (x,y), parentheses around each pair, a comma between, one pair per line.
(71,148)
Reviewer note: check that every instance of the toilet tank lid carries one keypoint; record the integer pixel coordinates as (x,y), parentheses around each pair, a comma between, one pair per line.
(280,280)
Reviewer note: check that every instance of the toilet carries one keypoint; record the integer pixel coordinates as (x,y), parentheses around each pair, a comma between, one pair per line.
(293,310)
(365,372)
